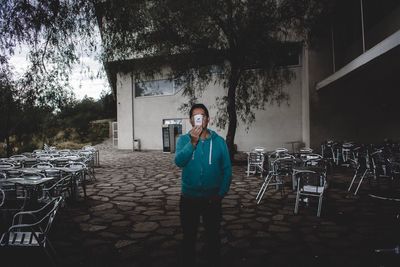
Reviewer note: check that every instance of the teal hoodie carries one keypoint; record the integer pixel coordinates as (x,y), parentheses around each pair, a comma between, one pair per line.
(206,169)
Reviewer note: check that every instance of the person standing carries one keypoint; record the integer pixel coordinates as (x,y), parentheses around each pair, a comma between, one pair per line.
(206,177)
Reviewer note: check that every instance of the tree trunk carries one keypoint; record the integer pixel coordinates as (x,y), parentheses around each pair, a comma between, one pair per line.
(231,109)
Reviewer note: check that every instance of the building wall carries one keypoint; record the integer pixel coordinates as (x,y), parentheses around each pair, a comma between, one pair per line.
(273,127)
(124,111)
(362,105)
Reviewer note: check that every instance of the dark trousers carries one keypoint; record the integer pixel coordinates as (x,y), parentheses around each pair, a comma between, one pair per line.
(191,210)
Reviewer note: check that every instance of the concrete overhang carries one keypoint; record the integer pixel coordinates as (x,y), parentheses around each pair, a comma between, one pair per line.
(379,61)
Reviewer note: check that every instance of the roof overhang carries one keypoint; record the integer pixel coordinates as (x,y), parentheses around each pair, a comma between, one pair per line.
(378,60)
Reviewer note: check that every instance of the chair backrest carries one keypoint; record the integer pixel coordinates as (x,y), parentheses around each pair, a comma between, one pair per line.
(45,157)
(43,165)
(61,161)
(29,162)
(57,189)
(89,147)
(281,150)
(313,160)
(305,150)
(18,157)
(64,152)
(310,178)
(255,157)
(284,165)
(45,216)
(32,175)
(13,173)
(75,165)
(379,161)
(2,197)
(27,154)
(259,149)
(52,172)
(52,213)
(6,165)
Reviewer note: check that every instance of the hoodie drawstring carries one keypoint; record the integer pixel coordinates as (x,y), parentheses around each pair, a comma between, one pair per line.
(209,157)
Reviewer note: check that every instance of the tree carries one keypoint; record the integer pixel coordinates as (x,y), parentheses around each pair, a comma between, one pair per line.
(9,106)
(57,32)
(245,40)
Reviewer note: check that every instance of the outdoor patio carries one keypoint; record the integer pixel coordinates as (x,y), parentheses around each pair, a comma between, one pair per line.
(131,218)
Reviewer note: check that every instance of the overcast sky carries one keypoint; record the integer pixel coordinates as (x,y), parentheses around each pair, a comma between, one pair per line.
(80,79)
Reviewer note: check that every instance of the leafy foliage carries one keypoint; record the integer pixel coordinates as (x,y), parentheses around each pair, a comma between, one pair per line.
(245,40)
(242,38)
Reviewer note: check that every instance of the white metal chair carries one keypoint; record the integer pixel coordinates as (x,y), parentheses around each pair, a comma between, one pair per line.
(79,176)
(2,197)
(255,163)
(61,188)
(43,165)
(31,229)
(18,157)
(6,166)
(310,184)
(281,167)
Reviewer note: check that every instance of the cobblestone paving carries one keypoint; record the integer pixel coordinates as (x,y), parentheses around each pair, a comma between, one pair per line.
(131,218)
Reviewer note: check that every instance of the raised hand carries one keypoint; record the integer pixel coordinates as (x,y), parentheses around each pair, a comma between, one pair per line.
(195,134)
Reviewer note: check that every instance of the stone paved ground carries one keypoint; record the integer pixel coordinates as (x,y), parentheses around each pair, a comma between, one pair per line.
(131,218)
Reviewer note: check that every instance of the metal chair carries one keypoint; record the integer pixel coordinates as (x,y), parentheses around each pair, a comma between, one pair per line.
(60,188)
(29,162)
(255,163)
(310,184)
(43,165)
(310,159)
(281,167)
(18,157)
(89,162)
(79,176)
(2,197)
(6,166)
(31,229)
(347,152)
(363,168)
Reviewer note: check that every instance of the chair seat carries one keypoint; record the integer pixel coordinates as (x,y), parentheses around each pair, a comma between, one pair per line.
(27,239)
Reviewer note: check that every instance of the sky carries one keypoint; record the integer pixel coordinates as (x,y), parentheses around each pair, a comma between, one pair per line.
(80,80)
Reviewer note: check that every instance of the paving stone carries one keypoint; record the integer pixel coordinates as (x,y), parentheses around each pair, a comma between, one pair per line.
(92,228)
(121,223)
(276,228)
(132,217)
(278,217)
(81,218)
(145,226)
(102,207)
(124,243)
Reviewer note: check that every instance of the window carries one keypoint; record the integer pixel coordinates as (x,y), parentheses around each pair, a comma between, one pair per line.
(155,88)
(172,121)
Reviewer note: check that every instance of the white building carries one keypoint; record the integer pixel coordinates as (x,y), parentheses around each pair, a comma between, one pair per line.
(344,89)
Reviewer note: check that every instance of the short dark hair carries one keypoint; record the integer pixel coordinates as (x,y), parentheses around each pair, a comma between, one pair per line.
(198,106)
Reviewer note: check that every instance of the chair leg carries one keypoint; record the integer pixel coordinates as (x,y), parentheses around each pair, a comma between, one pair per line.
(319,206)
(263,188)
(296,205)
(361,180)
(354,178)
(51,248)
(50,257)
